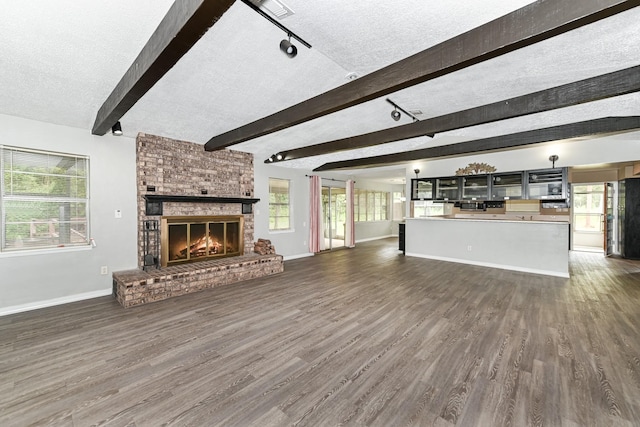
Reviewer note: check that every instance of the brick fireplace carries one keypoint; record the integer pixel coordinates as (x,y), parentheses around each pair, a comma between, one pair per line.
(179,183)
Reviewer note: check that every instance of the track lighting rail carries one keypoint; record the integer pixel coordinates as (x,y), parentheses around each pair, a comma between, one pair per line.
(276,23)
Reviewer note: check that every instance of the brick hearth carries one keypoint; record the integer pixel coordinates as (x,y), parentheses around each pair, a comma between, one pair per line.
(136,287)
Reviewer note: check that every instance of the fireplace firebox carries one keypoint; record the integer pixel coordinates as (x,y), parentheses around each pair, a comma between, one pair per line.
(197,238)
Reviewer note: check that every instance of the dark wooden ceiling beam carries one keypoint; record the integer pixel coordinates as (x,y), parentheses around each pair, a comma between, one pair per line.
(181,28)
(591,128)
(588,90)
(531,24)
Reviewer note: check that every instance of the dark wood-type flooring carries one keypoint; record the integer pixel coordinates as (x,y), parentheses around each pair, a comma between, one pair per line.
(362,336)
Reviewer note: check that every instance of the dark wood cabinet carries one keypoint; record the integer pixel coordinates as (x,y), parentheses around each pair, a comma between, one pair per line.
(541,184)
(507,186)
(422,189)
(447,188)
(475,187)
(546,184)
(401,237)
(629,218)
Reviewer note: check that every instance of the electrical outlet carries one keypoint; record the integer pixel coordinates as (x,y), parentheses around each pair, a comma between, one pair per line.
(469,248)
(104,270)
(118,213)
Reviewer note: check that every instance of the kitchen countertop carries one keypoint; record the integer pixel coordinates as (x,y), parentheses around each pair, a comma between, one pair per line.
(535,218)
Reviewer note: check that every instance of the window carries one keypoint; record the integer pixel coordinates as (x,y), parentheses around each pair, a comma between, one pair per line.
(279,204)
(45,199)
(398,206)
(422,209)
(371,205)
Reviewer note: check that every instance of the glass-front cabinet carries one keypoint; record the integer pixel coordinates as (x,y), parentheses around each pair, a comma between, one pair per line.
(505,186)
(422,189)
(447,188)
(547,184)
(541,184)
(475,187)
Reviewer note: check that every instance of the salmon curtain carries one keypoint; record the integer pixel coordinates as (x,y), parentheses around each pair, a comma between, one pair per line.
(350,234)
(316,237)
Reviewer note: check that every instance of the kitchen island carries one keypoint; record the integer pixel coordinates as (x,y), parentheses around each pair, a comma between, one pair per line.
(532,246)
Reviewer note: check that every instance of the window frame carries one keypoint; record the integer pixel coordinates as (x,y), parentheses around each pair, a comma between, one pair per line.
(589,194)
(9,195)
(375,203)
(398,205)
(288,204)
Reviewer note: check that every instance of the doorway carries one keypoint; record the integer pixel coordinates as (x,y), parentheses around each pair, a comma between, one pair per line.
(589,217)
(334,212)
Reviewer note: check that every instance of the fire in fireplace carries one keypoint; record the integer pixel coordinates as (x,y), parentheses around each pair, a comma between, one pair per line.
(191,238)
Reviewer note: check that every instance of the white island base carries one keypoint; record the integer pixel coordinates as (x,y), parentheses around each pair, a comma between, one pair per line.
(540,247)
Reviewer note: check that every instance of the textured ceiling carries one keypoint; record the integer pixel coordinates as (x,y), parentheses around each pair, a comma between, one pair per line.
(60,59)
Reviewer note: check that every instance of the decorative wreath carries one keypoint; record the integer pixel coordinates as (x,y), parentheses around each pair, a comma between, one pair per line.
(475,168)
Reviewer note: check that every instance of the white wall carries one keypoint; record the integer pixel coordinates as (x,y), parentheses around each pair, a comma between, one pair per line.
(292,243)
(38,279)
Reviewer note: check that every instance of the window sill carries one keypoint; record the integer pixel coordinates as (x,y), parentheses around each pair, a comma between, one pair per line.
(49,251)
(291,230)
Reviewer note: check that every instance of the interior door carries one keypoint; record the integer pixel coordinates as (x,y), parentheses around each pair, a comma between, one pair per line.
(608,218)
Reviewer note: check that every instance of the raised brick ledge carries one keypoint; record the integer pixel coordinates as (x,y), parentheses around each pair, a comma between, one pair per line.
(136,287)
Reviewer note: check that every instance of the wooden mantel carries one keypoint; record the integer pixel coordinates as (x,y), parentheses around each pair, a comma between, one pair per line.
(154,202)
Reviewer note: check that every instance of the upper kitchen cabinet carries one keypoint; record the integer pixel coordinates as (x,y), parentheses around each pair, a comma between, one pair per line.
(447,188)
(546,184)
(422,189)
(506,186)
(475,187)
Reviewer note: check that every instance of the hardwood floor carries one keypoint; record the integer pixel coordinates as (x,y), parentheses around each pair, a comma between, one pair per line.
(363,336)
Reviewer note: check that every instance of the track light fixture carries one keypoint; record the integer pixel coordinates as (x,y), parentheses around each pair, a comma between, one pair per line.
(276,157)
(285,45)
(553,159)
(288,48)
(116,129)
(416,171)
(395,114)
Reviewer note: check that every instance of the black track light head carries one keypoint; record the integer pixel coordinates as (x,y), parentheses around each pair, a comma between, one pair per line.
(116,129)
(395,115)
(289,49)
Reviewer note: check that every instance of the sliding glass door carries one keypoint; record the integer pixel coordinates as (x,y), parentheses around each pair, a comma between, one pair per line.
(334,210)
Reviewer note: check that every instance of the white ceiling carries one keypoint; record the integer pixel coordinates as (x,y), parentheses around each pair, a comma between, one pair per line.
(60,59)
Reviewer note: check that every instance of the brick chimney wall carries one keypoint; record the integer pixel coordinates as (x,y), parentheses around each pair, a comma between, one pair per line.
(181,168)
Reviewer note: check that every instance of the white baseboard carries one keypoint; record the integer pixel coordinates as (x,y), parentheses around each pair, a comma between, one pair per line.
(290,257)
(375,238)
(5,311)
(492,265)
